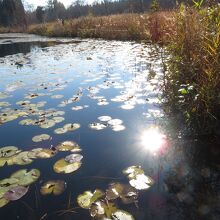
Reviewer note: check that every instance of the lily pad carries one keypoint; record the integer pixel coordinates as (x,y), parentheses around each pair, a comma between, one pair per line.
(71,127)
(48,123)
(46,153)
(26,178)
(104,118)
(16,193)
(55,187)
(8,151)
(115,122)
(62,166)
(68,146)
(141,182)
(117,128)
(41,137)
(3,202)
(22,158)
(73,158)
(122,215)
(86,199)
(60,131)
(97,126)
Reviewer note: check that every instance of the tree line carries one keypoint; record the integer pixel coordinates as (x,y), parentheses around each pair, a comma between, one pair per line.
(12,11)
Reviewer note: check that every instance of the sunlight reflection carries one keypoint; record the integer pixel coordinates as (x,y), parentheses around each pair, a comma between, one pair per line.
(153,140)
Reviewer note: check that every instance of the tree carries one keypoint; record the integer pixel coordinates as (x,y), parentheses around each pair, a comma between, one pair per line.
(40,14)
(12,13)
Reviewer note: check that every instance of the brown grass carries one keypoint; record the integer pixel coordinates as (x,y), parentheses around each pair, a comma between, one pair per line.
(119,27)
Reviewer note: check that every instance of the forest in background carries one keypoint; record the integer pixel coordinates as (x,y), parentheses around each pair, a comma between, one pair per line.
(13,12)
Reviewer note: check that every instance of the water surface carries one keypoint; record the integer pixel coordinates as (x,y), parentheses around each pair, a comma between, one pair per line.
(104,78)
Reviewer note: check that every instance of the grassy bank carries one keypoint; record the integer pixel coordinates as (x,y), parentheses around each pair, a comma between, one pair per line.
(119,27)
(192,78)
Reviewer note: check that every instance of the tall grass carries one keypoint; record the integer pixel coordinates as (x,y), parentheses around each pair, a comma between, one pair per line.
(192,76)
(117,27)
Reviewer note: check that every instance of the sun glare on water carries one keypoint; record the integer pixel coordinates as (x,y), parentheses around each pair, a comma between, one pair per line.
(152,140)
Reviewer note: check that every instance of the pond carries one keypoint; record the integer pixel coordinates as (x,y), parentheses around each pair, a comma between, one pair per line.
(79,113)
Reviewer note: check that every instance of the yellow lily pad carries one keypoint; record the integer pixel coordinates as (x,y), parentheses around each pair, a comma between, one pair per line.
(55,187)
(41,137)
(62,166)
(68,146)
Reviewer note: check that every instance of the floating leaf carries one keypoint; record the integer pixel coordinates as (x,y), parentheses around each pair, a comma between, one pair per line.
(15,193)
(97,126)
(8,151)
(71,127)
(26,178)
(115,122)
(86,199)
(104,118)
(73,158)
(58,119)
(60,131)
(133,171)
(39,138)
(68,146)
(97,209)
(122,215)
(117,190)
(118,128)
(22,158)
(55,187)
(48,124)
(3,202)
(62,166)
(34,152)
(46,153)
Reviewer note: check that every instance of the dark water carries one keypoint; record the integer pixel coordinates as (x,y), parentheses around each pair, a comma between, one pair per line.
(111,73)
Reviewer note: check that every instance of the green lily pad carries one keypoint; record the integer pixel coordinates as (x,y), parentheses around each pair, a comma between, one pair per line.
(55,187)
(34,152)
(39,138)
(8,151)
(58,119)
(27,122)
(26,178)
(71,127)
(68,146)
(60,131)
(86,199)
(48,123)
(62,166)
(3,202)
(22,158)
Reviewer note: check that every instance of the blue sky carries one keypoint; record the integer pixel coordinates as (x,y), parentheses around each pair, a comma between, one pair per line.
(43,2)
